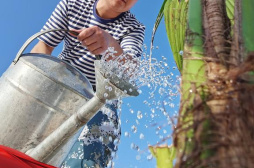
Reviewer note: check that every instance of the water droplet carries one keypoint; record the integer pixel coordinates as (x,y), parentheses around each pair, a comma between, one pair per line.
(161,91)
(172,105)
(116,141)
(101,139)
(110,139)
(141,136)
(134,129)
(181,52)
(134,146)
(113,154)
(139,115)
(105,95)
(127,134)
(106,80)
(149,157)
(110,88)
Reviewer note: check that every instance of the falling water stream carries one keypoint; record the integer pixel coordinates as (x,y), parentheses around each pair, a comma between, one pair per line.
(158,87)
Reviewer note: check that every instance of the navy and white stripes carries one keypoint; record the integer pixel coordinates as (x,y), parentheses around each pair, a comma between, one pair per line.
(79,14)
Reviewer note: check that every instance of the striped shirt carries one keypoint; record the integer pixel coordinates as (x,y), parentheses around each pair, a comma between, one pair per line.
(79,14)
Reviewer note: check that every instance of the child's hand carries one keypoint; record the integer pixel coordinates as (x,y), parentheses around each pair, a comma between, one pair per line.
(94,39)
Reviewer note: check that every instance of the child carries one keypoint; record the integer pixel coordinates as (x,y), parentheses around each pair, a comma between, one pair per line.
(99,24)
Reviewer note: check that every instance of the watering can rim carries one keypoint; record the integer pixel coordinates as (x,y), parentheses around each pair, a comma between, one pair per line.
(89,89)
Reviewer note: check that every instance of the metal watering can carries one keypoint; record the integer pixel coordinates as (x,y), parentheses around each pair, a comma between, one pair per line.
(45,100)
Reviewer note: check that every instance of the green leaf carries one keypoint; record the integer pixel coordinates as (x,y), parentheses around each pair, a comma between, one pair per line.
(248,25)
(230,5)
(164,155)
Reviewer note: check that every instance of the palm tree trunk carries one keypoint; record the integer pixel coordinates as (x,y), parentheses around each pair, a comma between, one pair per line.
(223,119)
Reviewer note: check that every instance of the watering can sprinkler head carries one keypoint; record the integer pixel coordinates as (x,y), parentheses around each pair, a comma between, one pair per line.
(111,87)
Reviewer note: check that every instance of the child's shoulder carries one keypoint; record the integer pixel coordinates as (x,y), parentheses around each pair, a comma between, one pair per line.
(131,19)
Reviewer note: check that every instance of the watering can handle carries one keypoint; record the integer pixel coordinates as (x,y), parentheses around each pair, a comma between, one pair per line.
(22,49)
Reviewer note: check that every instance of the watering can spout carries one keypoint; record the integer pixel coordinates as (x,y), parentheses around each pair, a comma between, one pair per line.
(118,88)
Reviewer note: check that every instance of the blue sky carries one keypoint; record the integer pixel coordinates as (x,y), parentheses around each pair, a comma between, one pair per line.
(20,19)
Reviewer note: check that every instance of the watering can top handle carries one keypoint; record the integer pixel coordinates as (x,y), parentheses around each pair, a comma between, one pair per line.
(22,49)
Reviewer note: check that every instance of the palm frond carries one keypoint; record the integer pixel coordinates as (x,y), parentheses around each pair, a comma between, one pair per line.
(175,13)
(156,25)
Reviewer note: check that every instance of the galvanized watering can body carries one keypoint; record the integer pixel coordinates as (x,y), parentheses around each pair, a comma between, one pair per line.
(37,94)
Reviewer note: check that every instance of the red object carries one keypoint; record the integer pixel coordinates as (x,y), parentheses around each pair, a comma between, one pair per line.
(11,158)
